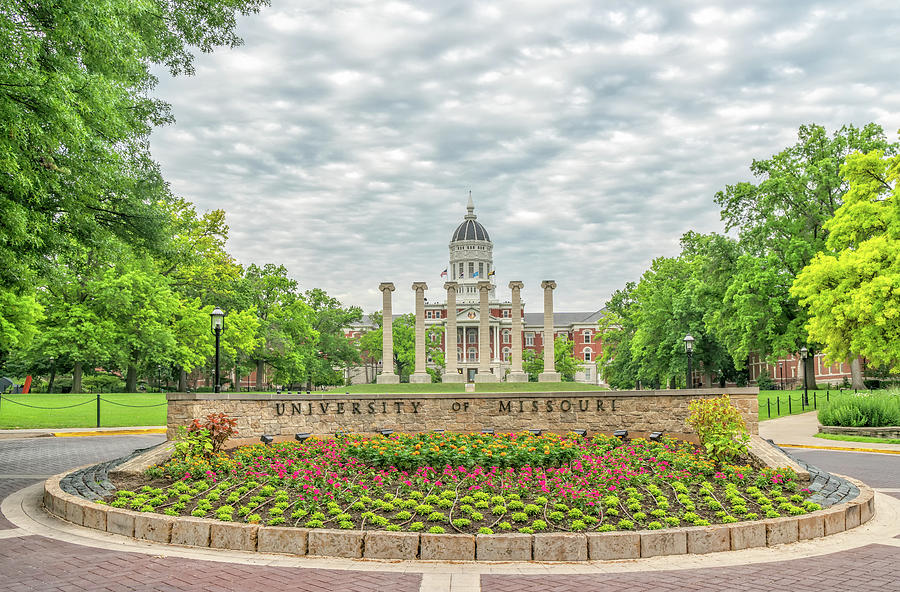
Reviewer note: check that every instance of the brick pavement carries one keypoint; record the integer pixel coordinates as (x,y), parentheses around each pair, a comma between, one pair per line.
(873,567)
(38,563)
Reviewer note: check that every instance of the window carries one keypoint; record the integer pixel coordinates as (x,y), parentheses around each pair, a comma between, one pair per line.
(471,272)
(588,336)
(472,335)
(529,339)
(587,374)
(481,270)
(427,314)
(506,338)
(588,353)
(473,354)
(506,354)
(459,354)
(505,313)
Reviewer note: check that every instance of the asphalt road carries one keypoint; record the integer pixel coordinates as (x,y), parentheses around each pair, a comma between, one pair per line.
(875,470)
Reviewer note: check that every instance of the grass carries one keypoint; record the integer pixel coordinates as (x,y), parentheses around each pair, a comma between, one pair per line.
(498,387)
(774,410)
(80,411)
(868,439)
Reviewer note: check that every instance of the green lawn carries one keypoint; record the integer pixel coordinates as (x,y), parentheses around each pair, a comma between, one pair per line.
(844,438)
(499,387)
(80,411)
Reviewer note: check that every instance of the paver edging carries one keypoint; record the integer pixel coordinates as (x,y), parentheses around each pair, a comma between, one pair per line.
(559,546)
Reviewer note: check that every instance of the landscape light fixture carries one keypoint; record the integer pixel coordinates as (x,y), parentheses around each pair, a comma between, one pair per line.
(385,433)
(581,433)
(804,353)
(487,432)
(217,325)
(302,437)
(266,439)
(307,392)
(339,434)
(689,349)
(655,436)
(277,391)
(438,431)
(535,432)
(621,434)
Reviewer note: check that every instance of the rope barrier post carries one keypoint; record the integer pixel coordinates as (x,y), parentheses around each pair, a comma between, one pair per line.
(778,405)
(769,408)
(98,410)
(814,401)
(790,411)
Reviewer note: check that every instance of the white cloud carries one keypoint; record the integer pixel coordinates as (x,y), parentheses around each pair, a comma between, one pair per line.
(342,137)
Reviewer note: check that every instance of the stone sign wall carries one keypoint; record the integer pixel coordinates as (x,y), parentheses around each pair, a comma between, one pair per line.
(639,412)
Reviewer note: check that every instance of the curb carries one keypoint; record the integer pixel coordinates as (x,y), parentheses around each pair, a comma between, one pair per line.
(113,432)
(561,546)
(841,448)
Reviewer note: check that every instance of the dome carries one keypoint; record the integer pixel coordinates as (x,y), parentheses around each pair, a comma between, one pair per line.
(470,230)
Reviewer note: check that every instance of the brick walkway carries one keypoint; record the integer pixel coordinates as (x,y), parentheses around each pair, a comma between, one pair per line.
(873,567)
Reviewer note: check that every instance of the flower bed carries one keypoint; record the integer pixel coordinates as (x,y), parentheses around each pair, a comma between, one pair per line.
(468,483)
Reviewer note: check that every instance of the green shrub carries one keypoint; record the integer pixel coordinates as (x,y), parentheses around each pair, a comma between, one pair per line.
(720,427)
(862,410)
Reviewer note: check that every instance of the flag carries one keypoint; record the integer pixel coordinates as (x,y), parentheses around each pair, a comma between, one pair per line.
(444,273)
(475,274)
(491,272)
(462,274)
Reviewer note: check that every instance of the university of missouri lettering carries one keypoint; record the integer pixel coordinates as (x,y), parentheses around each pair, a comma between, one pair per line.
(583,405)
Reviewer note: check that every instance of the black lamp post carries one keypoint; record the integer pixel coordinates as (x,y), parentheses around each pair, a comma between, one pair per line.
(689,349)
(781,370)
(218,327)
(804,353)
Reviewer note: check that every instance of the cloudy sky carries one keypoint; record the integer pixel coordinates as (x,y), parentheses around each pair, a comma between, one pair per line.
(343,138)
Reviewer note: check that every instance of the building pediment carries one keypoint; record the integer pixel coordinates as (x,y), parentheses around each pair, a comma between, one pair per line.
(468,314)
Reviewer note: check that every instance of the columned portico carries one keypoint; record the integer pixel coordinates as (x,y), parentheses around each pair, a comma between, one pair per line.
(549,374)
(451,374)
(420,376)
(387,376)
(484,335)
(515,371)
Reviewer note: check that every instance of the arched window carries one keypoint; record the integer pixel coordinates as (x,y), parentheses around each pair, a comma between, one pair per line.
(459,354)
(506,337)
(588,354)
(506,354)
(473,354)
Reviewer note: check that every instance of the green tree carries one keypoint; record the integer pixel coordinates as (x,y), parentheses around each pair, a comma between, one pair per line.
(404,334)
(564,358)
(76,113)
(781,223)
(617,328)
(852,288)
(334,351)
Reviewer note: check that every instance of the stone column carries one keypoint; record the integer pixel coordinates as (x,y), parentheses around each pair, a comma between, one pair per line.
(387,376)
(451,374)
(515,371)
(420,375)
(484,336)
(549,374)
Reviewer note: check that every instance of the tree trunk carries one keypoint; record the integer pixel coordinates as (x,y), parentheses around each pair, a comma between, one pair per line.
(52,378)
(237,380)
(182,380)
(856,375)
(131,380)
(76,377)
(260,374)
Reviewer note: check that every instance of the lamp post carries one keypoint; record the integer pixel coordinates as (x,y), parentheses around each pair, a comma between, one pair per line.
(52,374)
(803,355)
(217,318)
(689,349)
(781,371)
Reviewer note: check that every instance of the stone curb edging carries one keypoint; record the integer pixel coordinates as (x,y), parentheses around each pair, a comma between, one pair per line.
(884,432)
(555,546)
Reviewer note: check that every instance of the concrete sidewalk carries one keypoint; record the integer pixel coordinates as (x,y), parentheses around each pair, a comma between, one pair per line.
(799,430)
(75,432)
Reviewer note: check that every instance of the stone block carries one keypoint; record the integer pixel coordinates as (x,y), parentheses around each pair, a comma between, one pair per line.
(94,516)
(708,539)
(503,547)
(228,535)
(382,544)
(75,511)
(781,530)
(334,543)
(281,539)
(811,526)
(867,510)
(560,546)
(852,516)
(120,521)
(747,536)
(447,547)
(153,527)
(48,499)
(614,545)
(58,503)
(663,542)
(191,531)
(834,520)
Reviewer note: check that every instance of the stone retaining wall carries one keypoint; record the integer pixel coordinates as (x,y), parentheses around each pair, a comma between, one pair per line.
(885,432)
(639,412)
(558,546)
